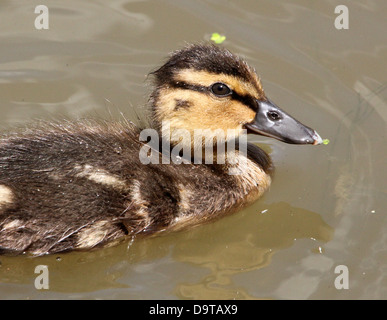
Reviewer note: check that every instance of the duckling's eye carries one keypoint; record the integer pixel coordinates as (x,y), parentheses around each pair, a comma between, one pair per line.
(273,115)
(220,89)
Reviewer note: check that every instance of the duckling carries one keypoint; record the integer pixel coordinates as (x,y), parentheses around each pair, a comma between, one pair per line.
(80,185)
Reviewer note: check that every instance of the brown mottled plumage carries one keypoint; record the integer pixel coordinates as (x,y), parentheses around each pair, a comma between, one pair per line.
(66,186)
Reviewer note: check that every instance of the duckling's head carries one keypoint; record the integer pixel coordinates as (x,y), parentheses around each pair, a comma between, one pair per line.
(208,87)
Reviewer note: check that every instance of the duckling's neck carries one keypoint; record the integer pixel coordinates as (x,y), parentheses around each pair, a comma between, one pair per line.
(233,154)
(198,146)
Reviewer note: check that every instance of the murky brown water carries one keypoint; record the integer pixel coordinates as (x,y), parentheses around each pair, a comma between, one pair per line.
(326,206)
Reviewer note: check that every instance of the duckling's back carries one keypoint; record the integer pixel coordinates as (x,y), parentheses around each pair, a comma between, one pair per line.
(60,179)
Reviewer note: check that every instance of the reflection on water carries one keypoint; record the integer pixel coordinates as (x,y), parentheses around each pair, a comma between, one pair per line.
(247,249)
(326,206)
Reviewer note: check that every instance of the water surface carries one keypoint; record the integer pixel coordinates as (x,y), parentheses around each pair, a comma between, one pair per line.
(326,206)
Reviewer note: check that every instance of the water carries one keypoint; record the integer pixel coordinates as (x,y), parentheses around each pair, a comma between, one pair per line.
(326,206)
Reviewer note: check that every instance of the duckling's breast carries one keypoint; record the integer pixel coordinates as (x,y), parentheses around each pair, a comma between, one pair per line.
(211,191)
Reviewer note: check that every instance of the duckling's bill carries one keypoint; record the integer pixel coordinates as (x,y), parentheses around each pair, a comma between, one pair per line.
(273,122)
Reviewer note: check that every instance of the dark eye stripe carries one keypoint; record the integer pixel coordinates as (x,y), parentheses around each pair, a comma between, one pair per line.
(248,100)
